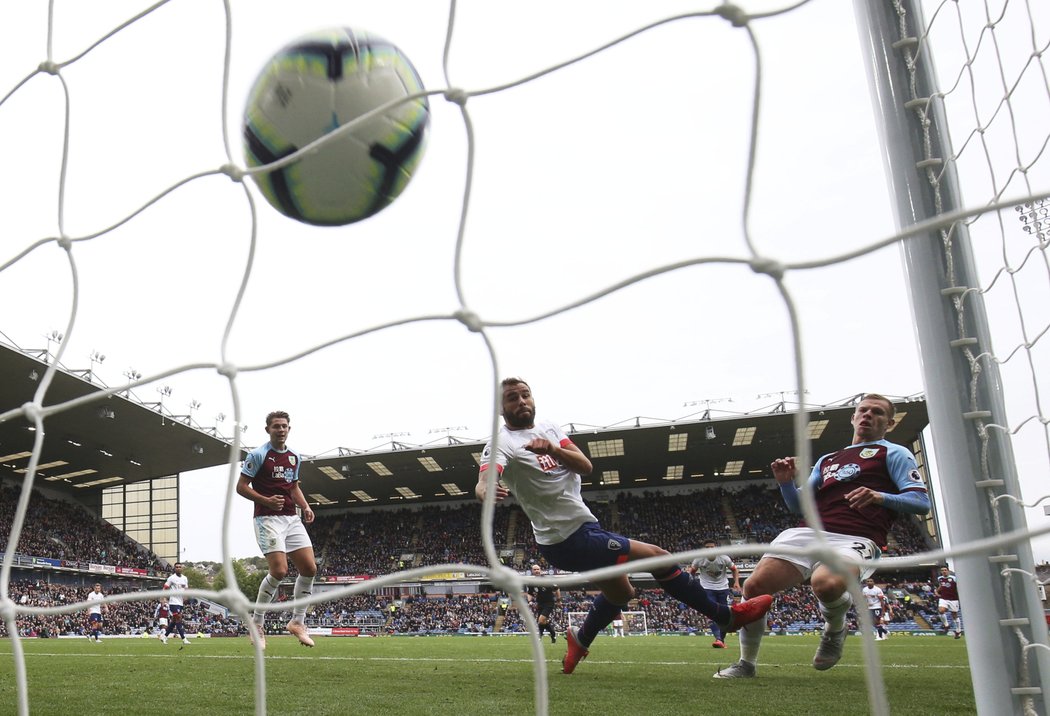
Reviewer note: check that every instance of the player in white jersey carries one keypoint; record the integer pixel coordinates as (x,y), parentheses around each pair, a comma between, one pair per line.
(876,600)
(176,583)
(713,573)
(541,466)
(95,610)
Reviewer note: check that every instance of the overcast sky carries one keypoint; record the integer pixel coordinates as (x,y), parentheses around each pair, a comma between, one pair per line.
(632,160)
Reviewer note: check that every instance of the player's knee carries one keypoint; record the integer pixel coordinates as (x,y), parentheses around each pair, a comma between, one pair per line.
(828,589)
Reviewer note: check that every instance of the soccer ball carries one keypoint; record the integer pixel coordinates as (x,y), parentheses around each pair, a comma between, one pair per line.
(314,86)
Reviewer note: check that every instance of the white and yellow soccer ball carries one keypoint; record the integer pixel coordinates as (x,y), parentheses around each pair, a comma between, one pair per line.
(312,87)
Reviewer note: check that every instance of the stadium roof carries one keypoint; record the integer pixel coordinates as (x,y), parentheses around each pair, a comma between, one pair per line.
(661,455)
(109,441)
(119,440)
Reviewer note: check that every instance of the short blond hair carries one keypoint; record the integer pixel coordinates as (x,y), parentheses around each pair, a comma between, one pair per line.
(884,399)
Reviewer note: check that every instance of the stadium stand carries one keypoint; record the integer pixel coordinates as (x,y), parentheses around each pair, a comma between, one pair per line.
(383,541)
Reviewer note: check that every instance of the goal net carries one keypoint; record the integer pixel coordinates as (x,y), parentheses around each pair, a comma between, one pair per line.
(634,623)
(692,198)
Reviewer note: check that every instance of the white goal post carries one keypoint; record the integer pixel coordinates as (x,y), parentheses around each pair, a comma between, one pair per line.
(634,623)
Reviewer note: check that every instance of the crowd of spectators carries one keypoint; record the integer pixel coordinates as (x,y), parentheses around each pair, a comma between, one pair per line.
(133,617)
(381,542)
(60,530)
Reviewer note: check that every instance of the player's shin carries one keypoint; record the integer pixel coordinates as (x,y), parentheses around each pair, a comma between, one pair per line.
(687,590)
(601,614)
(834,612)
(751,639)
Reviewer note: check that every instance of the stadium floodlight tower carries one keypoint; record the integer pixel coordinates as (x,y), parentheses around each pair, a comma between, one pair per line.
(963,386)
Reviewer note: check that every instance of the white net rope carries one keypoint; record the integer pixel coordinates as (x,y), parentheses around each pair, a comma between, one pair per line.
(1000,137)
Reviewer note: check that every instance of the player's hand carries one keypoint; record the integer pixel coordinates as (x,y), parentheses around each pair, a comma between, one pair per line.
(539,446)
(783,470)
(501,492)
(863,497)
(274,502)
(308,515)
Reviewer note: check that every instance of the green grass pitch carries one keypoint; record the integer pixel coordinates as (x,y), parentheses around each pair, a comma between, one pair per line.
(476,675)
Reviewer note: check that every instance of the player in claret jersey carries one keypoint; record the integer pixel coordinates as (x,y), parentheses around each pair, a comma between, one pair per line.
(948,600)
(270,479)
(542,467)
(858,490)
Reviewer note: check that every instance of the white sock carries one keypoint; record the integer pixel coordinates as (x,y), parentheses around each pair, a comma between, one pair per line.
(267,591)
(304,587)
(751,639)
(835,612)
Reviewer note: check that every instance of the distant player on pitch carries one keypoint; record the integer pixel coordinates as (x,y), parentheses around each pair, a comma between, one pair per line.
(176,583)
(95,610)
(270,479)
(713,573)
(877,606)
(948,600)
(161,614)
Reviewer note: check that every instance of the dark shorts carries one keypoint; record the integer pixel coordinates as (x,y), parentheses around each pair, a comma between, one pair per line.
(544,610)
(721,596)
(175,610)
(589,547)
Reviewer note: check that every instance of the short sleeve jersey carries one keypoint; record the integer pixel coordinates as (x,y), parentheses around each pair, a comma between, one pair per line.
(547,491)
(874,597)
(96,602)
(272,472)
(879,465)
(947,588)
(176,584)
(713,573)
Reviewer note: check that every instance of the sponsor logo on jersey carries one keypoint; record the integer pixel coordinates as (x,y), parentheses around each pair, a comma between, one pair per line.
(614,545)
(867,453)
(842,473)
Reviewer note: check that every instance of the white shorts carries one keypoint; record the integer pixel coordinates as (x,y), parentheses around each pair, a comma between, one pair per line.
(846,545)
(951,605)
(163,621)
(281,533)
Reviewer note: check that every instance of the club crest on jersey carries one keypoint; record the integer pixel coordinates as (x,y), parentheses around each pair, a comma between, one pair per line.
(867,453)
(291,460)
